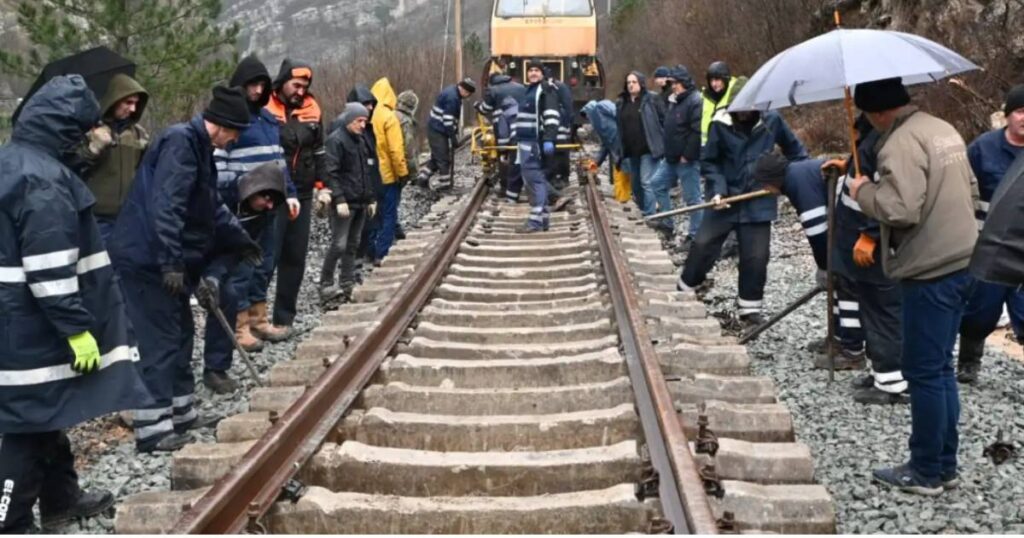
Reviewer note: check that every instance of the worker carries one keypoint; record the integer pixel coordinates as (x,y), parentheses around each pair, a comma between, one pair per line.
(536,129)
(443,132)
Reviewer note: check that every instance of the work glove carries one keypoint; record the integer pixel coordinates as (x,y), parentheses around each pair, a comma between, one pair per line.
(321,201)
(719,204)
(208,293)
(371,210)
(864,251)
(293,208)
(592,165)
(87,353)
(251,254)
(821,278)
(835,163)
(99,137)
(549,148)
(342,210)
(174,281)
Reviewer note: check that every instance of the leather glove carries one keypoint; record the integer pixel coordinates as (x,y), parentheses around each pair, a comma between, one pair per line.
(864,251)
(252,254)
(549,148)
(99,137)
(719,205)
(293,208)
(343,211)
(835,163)
(371,210)
(174,281)
(208,293)
(87,353)
(821,278)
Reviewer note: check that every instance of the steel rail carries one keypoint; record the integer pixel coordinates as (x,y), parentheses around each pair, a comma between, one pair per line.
(245,494)
(681,490)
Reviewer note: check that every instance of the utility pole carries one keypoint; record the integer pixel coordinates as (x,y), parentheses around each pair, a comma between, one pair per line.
(458,47)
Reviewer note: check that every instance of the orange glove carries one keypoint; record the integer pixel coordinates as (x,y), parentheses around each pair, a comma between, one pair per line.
(835,163)
(864,251)
(592,166)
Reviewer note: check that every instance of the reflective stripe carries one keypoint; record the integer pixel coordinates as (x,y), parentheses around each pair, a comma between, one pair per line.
(816,230)
(246,166)
(35,376)
(182,401)
(551,114)
(849,305)
(93,262)
(849,323)
(681,286)
(153,430)
(888,377)
(250,152)
(51,288)
(552,122)
(749,304)
(527,116)
(187,417)
(983,206)
(149,415)
(813,213)
(851,203)
(52,260)
(892,388)
(12,275)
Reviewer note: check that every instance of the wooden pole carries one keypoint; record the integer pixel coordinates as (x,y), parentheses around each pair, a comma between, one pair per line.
(689,209)
(459,75)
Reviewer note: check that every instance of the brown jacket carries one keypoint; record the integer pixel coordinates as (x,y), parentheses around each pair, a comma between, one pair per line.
(924,198)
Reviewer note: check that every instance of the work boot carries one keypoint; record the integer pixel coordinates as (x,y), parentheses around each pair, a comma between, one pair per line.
(399,233)
(968,364)
(261,327)
(423,179)
(561,203)
(750,321)
(219,382)
(89,504)
(844,360)
(330,293)
(874,396)
(170,443)
(865,381)
(245,338)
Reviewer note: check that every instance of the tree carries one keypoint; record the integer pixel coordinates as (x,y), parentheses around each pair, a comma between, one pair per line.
(178,49)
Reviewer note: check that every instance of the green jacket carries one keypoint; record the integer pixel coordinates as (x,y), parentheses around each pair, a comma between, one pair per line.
(711,108)
(109,175)
(408,103)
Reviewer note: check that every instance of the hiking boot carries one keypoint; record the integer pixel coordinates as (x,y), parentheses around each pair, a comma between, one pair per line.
(261,327)
(89,504)
(874,396)
(844,360)
(243,335)
(219,382)
(907,480)
(170,443)
(968,364)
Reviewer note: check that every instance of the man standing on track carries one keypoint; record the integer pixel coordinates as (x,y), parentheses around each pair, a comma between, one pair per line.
(443,132)
(537,128)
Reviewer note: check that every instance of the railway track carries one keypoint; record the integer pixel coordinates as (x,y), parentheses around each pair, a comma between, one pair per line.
(542,383)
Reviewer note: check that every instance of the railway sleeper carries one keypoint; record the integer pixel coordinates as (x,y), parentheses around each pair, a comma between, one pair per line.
(484,317)
(592,367)
(513,334)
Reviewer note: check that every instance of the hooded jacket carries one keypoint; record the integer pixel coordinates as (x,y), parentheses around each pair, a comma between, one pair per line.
(652,116)
(110,174)
(56,279)
(728,159)
(350,167)
(388,132)
(601,115)
(408,104)
(302,133)
(501,106)
(712,108)
(925,198)
(682,124)
(267,178)
(257,145)
(174,218)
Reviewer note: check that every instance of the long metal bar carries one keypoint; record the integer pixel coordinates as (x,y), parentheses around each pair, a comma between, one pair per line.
(756,331)
(707,205)
(681,490)
(831,177)
(251,488)
(230,332)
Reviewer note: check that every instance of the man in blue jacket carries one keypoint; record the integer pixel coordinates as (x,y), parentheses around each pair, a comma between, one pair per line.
(500,106)
(991,155)
(257,145)
(68,354)
(735,142)
(168,236)
(536,129)
(682,149)
(443,131)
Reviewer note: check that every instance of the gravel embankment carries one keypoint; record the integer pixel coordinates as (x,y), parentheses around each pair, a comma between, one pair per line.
(105,449)
(849,440)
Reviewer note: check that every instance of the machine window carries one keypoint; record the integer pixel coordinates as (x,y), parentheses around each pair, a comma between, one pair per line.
(543,8)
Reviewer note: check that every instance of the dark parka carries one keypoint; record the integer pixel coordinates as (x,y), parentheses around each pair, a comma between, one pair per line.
(851,221)
(350,166)
(682,123)
(652,113)
(362,95)
(999,254)
(174,218)
(501,106)
(56,279)
(728,159)
(302,133)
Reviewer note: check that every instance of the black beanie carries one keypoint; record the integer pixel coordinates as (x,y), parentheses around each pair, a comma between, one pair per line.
(229,108)
(1014,99)
(468,85)
(771,168)
(881,95)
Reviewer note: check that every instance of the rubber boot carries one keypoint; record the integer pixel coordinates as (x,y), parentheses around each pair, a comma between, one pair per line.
(968,365)
(261,326)
(245,338)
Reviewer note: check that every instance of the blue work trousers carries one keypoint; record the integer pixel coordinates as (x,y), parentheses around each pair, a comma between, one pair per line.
(533,172)
(687,175)
(387,208)
(165,332)
(986,306)
(932,311)
(641,171)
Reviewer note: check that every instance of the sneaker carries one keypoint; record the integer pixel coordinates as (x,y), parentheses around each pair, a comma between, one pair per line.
(950,480)
(874,396)
(904,478)
(844,360)
(219,382)
(89,503)
(170,443)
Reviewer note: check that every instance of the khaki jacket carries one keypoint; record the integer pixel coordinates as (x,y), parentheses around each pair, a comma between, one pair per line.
(925,198)
(112,172)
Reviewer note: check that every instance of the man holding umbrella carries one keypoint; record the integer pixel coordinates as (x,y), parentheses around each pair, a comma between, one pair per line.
(924,199)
